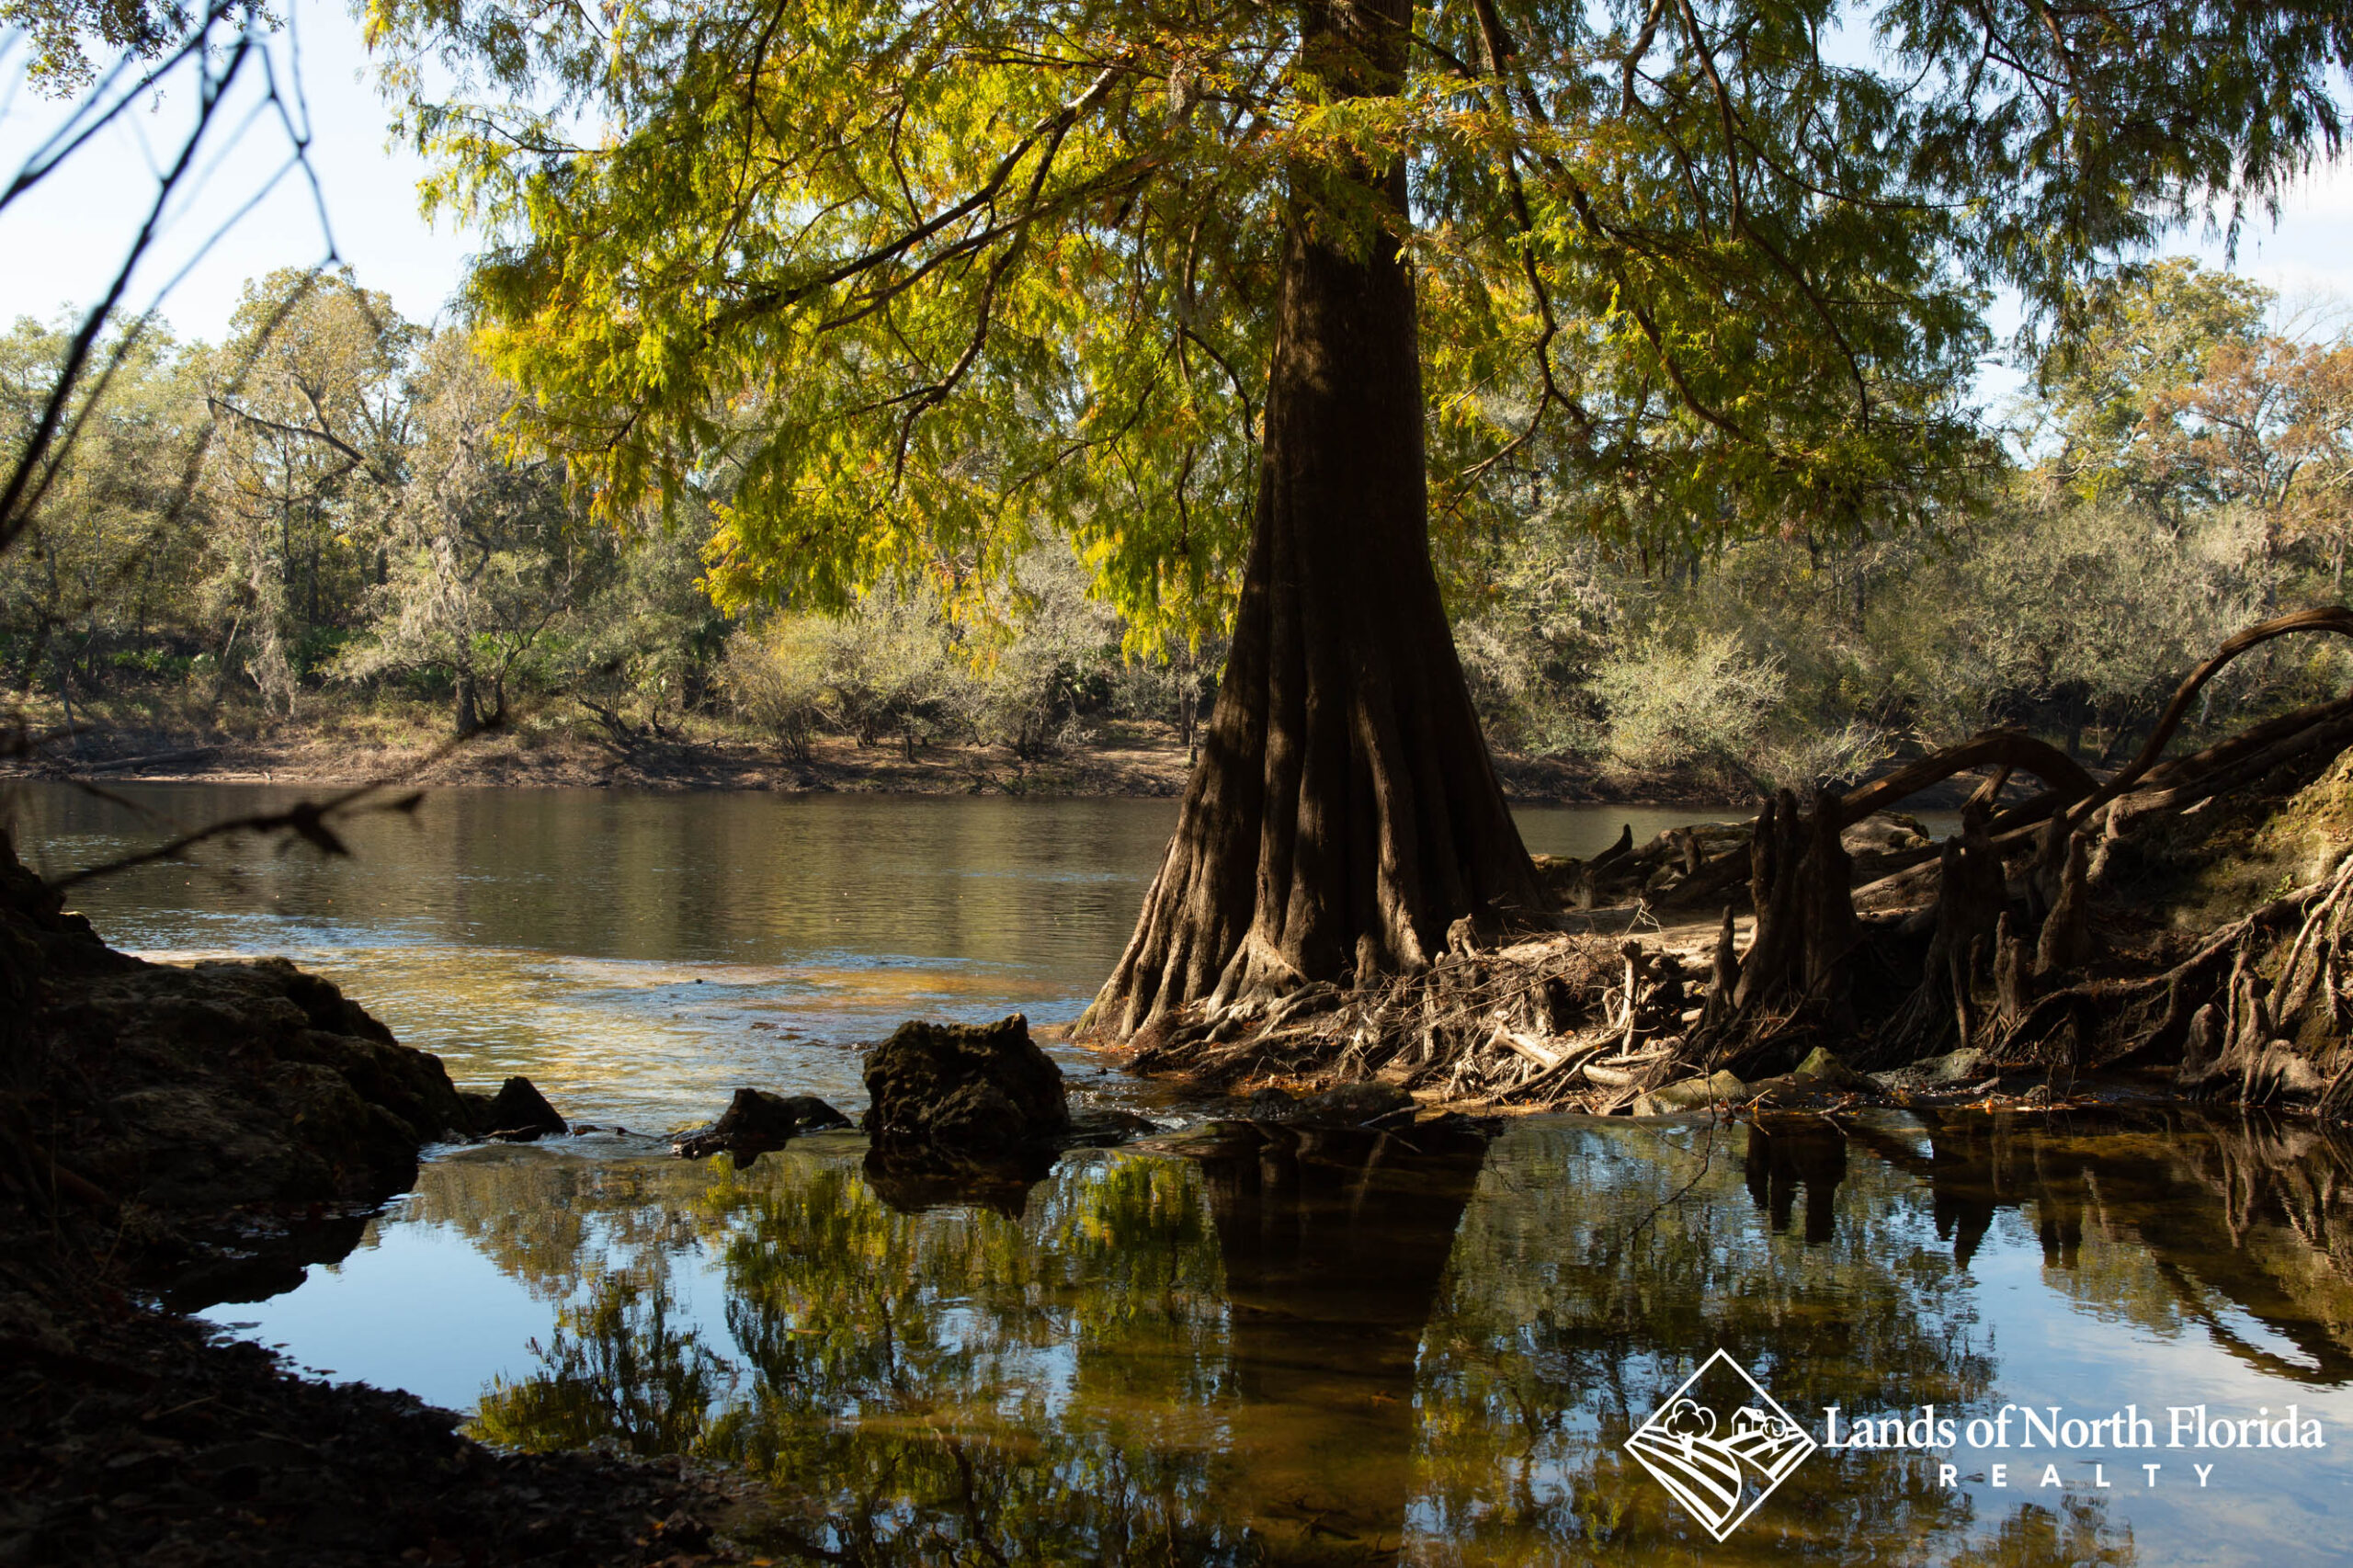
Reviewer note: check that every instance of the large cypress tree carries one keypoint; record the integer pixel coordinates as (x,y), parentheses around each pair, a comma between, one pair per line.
(1262,302)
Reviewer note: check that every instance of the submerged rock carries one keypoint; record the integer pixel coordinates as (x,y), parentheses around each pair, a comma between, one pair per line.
(518,1113)
(1370,1103)
(1107,1127)
(755,1123)
(969,1091)
(1270,1104)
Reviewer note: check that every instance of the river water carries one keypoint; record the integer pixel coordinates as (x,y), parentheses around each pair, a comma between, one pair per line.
(1232,1344)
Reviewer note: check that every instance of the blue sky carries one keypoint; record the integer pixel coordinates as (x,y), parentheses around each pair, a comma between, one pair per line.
(59,244)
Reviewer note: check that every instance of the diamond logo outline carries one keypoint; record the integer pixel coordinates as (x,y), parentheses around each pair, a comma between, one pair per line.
(1712,1473)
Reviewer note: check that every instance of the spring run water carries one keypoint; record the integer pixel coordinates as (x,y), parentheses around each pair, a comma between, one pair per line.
(1971,1338)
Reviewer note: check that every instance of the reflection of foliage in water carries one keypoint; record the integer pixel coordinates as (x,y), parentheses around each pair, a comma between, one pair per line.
(547,1219)
(941,1383)
(618,1375)
(2176,1224)
(925,1385)
(2078,1536)
(1597,1268)
(1094,1380)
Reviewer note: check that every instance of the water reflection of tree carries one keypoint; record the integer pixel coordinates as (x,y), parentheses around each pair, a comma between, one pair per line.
(2077,1534)
(1597,1267)
(1295,1347)
(1335,1245)
(941,1383)
(549,1220)
(920,1387)
(619,1374)
(1070,1385)
(2161,1217)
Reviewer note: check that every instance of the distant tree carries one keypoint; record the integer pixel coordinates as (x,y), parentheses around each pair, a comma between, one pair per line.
(2180,396)
(2267,426)
(477,563)
(112,551)
(312,399)
(775,678)
(891,667)
(638,651)
(1053,648)
(1706,705)
(2147,333)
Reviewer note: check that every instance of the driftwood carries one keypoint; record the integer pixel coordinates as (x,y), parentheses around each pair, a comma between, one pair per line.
(2006,748)
(148,760)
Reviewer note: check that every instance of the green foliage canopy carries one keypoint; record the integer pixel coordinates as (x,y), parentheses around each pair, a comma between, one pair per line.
(892,285)
(69,39)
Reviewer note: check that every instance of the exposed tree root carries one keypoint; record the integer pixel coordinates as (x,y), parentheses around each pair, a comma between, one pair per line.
(2012,946)
(1539,1023)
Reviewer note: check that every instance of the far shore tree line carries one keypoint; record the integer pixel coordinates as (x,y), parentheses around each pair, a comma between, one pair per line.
(325,518)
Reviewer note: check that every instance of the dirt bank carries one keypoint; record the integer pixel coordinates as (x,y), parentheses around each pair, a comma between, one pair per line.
(1136,760)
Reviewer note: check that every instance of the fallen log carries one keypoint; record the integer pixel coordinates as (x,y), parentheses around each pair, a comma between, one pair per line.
(2005,748)
(149,759)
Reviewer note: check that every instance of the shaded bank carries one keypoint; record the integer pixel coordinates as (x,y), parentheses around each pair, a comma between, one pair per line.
(1146,764)
(204,1134)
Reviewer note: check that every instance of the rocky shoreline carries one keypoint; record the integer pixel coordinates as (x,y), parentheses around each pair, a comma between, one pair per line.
(170,1138)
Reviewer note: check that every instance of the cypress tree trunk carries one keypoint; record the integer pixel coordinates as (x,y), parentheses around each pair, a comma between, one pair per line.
(1345,811)
(468,715)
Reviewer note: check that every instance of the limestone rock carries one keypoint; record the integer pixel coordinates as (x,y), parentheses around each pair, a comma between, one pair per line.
(231,1083)
(1827,1071)
(1950,1071)
(755,1123)
(970,1091)
(1689,1094)
(175,1103)
(519,1113)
